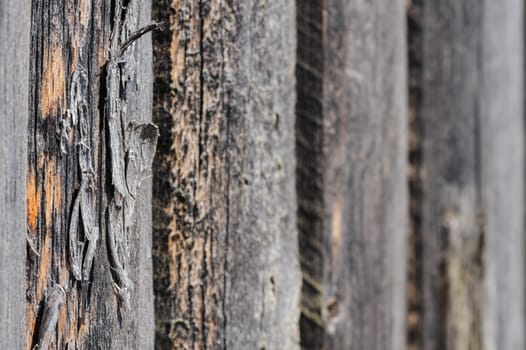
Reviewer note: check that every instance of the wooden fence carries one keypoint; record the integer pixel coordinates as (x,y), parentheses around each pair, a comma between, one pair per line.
(329,174)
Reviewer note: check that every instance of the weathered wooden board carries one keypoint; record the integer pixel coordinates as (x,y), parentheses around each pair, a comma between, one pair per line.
(470,108)
(225,244)
(89,272)
(502,172)
(15,16)
(365,95)
(353,198)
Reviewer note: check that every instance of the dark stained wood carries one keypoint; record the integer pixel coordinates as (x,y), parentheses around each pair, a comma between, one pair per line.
(415,176)
(472,174)
(78,82)
(15,23)
(225,242)
(191,176)
(310,169)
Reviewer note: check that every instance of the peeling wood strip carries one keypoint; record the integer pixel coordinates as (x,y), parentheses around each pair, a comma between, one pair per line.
(76,247)
(118,254)
(115,129)
(141,142)
(132,147)
(31,244)
(49,320)
(137,34)
(90,254)
(86,205)
(78,115)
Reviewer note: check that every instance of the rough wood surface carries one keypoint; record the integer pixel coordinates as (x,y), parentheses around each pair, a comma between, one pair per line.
(225,244)
(358,142)
(15,16)
(472,214)
(84,230)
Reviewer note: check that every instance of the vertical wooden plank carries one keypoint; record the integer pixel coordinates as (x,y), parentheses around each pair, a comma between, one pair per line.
(451,231)
(362,238)
(471,174)
(225,244)
(366,142)
(88,272)
(502,173)
(263,288)
(15,19)
(191,176)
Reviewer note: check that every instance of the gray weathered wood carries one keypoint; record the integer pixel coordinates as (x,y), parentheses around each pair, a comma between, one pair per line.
(472,174)
(225,245)
(366,142)
(15,18)
(263,285)
(502,172)
(88,223)
(363,182)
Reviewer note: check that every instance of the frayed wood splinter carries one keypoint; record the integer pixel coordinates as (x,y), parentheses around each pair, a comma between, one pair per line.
(49,320)
(131,149)
(82,213)
(137,34)
(30,244)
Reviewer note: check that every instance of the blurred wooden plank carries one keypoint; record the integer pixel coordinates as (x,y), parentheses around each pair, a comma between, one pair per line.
(502,173)
(472,174)
(361,193)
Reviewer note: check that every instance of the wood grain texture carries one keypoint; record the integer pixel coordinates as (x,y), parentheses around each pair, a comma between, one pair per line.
(15,23)
(225,244)
(366,143)
(359,145)
(471,115)
(70,181)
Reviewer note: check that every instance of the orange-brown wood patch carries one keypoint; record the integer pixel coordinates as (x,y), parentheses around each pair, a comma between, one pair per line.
(53,81)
